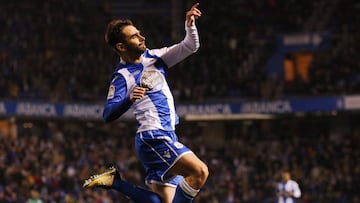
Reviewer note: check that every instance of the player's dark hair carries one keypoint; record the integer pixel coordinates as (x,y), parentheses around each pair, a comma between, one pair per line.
(114,34)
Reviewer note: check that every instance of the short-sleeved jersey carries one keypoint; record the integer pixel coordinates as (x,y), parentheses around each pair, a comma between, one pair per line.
(156,110)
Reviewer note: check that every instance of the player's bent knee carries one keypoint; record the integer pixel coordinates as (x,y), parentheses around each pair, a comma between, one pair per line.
(203,173)
(200,175)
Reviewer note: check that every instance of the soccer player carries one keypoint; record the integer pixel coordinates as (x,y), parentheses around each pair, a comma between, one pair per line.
(287,190)
(173,172)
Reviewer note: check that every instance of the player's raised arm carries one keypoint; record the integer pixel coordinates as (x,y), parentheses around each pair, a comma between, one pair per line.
(189,45)
(192,14)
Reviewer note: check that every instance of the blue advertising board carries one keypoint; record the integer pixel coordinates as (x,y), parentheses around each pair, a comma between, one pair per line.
(94,111)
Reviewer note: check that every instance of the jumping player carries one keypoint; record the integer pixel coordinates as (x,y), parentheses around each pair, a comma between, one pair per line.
(173,172)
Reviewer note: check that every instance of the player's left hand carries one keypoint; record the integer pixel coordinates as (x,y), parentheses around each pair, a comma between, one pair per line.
(192,14)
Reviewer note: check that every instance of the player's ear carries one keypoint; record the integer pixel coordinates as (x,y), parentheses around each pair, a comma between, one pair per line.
(120,47)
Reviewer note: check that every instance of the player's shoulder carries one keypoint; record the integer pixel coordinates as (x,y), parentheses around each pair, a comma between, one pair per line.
(119,73)
(155,53)
(293,182)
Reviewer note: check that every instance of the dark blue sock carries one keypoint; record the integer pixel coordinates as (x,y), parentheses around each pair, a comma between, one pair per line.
(135,193)
(181,196)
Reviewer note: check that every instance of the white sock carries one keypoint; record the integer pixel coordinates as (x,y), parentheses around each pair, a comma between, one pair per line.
(188,189)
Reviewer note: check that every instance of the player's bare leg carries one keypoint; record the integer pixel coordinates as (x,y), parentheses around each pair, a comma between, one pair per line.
(166,193)
(193,169)
(195,174)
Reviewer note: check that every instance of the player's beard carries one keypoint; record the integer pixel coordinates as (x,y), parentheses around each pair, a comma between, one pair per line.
(136,49)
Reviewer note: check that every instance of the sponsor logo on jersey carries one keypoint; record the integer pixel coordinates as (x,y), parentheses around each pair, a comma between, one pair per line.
(152,79)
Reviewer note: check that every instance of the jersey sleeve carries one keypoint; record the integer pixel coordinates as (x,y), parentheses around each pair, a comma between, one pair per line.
(297,191)
(117,100)
(176,53)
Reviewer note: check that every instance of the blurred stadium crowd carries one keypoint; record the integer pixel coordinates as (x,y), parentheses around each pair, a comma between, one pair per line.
(54,51)
(54,159)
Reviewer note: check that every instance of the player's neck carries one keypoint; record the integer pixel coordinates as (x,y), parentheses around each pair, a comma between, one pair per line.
(132,59)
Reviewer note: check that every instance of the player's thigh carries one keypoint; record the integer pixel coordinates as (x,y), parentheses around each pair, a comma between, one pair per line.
(166,193)
(187,165)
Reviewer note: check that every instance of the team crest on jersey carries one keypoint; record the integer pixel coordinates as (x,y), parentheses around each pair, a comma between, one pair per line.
(111,92)
(167,154)
(152,79)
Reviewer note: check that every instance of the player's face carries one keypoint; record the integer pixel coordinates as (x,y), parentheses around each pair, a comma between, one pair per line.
(134,41)
(286,176)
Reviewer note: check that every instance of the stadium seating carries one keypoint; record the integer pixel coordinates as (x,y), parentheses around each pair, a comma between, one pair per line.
(54,158)
(55,51)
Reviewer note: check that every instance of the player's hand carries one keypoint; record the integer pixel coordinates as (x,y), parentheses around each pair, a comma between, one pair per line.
(138,93)
(192,14)
(289,194)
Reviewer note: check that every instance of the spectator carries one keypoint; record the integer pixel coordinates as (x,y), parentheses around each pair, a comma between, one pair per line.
(287,190)
(241,171)
(34,197)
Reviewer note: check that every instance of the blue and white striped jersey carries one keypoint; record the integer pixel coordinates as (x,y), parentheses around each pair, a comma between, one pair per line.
(156,110)
(287,187)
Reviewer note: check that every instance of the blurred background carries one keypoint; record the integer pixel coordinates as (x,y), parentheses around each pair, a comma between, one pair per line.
(274,86)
